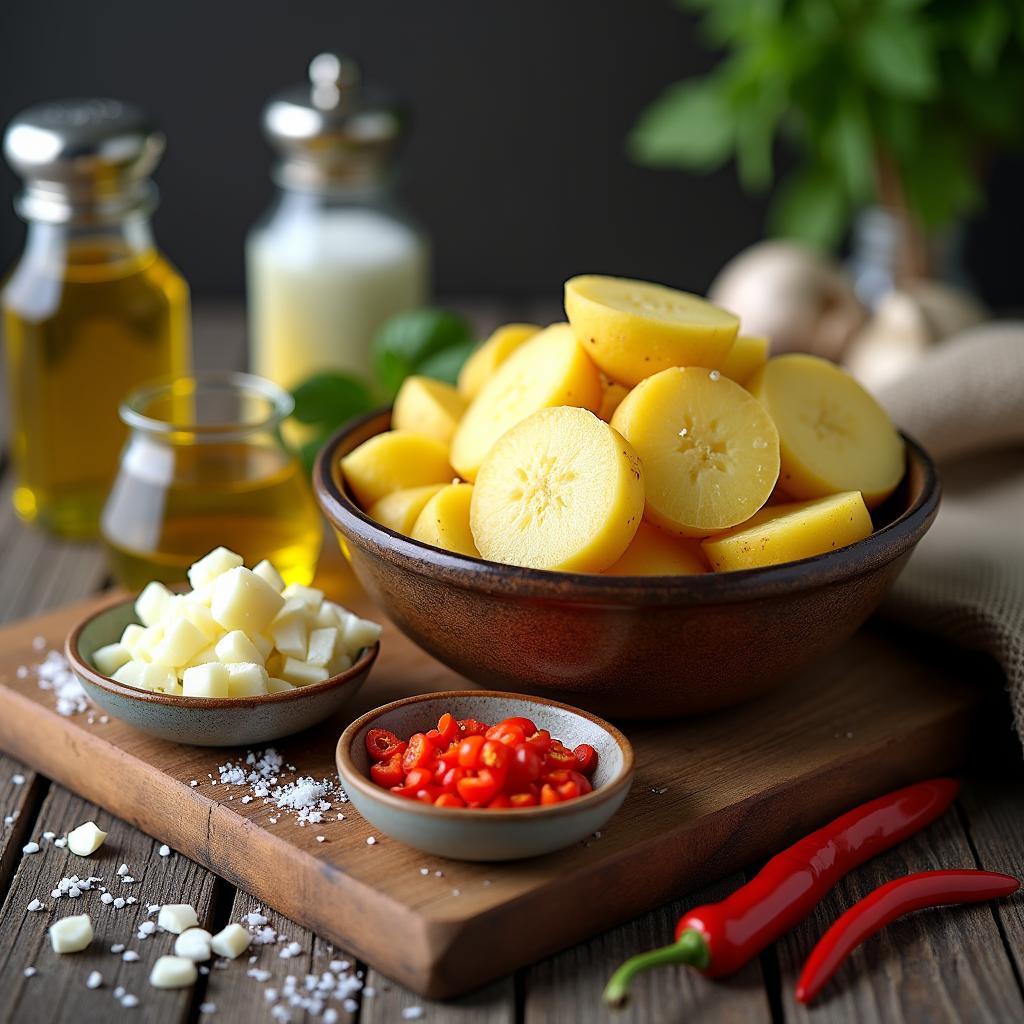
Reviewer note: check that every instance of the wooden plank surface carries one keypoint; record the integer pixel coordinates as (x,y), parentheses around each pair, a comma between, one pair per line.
(710,795)
(39,573)
(946,964)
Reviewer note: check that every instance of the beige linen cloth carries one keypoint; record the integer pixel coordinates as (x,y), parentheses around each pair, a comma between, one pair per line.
(965,403)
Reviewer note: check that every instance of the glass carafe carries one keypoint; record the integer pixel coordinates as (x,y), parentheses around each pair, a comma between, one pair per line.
(204,466)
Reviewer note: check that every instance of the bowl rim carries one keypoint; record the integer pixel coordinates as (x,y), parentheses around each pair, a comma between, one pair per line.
(352,776)
(882,546)
(82,668)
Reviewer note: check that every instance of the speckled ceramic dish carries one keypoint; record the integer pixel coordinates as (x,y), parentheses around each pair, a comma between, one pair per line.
(625,646)
(466,834)
(205,721)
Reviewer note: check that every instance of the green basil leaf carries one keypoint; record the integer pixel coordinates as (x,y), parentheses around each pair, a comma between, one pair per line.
(690,125)
(896,55)
(445,365)
(329,399)
(406,340)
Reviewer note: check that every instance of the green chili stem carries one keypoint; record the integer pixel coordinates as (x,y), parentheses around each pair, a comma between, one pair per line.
(690,948)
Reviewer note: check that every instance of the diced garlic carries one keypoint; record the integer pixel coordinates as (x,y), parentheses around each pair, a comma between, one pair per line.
(211,566)
(360,633)
(202,618)
(147,642)
(242,600)
(152,602)
(262,643)
(158,678)
(322,643)
(207,656)
(236,647)
(266,572)
(246,680)
(86,839)
(206,681)
(132,634)
(341,662)
(203,595)
(231,942)
(177,917)
(173,972)
(290,629)
(275,685)
(110,658)
(309,596)
(301,673)
(327,615)
(193,944)
(181,642)
(130,673)
(71,934)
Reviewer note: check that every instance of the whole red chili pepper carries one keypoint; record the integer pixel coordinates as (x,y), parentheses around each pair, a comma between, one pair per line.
(720,938)
(884,905)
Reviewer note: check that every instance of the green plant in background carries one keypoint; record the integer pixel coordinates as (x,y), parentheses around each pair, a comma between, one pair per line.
(891,101)
(431,342)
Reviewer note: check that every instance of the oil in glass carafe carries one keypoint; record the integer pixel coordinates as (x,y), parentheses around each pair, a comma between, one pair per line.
(85,322)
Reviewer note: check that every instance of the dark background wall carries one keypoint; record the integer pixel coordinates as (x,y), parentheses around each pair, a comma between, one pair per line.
(516,168)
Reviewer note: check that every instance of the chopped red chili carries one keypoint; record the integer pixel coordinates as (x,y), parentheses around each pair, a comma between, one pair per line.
(466,763)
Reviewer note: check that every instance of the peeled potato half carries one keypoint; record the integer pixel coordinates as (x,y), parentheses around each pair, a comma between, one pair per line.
(561,490)
(633,329)
(709,450)
(834,436)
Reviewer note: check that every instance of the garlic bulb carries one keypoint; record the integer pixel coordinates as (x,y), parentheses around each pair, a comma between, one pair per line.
(795,295)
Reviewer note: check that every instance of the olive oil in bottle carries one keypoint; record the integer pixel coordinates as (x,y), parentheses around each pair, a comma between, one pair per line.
(90,311)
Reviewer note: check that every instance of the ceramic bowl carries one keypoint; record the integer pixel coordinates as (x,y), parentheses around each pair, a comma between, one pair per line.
(626,647)
(480,835)
(204,721)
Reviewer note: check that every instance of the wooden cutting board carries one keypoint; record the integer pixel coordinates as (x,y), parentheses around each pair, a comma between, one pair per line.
(711,795)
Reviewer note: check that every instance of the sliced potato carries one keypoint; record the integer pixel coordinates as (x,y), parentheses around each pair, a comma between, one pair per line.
(394,461)
(480,366)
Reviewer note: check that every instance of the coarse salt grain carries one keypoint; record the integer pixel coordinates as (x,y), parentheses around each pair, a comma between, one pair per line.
(371,840)
(18,779)
(128,1000)
(129,956)
(206,1008)
(320,839)
(164,851)
(106,898)
(62,842)
(123,870)
(117,947)
(94,980)
(30,848)
(412,1013)
(36,905)
(120,903)
(29,972)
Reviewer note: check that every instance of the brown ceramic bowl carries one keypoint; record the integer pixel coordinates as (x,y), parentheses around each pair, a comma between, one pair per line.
(625,646)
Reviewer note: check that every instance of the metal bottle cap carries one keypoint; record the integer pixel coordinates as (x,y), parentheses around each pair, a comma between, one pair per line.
(87,158)
(332,132)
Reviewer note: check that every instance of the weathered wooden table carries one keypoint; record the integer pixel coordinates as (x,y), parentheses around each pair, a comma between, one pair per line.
(963,964)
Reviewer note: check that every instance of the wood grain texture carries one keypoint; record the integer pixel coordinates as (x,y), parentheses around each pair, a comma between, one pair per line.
(240,996)
(711,795)
(946,964)
(58,991)
(994,818)
(568,987)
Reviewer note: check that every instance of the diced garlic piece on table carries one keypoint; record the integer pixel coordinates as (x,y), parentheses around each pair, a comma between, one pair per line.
(85,839)
(173,972)
(231,942)
(177,917)
(193,944)
(71,934)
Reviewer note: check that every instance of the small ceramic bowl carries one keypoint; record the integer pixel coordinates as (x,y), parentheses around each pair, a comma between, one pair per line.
(481,835)
(624,646)
(204,721)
